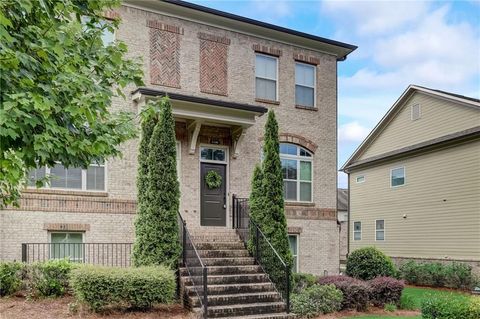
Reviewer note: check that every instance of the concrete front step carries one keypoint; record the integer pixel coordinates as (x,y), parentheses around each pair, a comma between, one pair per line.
(231,289)
(280,315)
(245,309)
(218,245)
(216,239)
(220,253)
(227,279)
(225,270)
(229,261)
(221,300)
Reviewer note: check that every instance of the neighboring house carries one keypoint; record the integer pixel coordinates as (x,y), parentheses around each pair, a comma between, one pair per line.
(415,180)
(222,73)
(342,216)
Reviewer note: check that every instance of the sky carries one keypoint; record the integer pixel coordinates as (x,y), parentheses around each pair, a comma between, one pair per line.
(430,43)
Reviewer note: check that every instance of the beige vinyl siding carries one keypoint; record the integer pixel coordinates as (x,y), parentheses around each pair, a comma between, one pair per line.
(438,118)
(441,198)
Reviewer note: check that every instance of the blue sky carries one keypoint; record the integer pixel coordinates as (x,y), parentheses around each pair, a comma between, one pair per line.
(435,44)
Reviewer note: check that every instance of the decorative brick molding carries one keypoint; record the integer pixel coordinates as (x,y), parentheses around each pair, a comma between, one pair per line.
(267,50)
(267,101)
(294,230)
(311,213)
(305,58)
(164,54)
(64,192)
(308,108)
(299,140)
(67,227)
(164,27)
(213,64)
(75,204)
(111,15)
(214,38)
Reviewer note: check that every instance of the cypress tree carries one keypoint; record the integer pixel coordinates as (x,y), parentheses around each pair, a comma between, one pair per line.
(255,203)
(274,223)
(156,239)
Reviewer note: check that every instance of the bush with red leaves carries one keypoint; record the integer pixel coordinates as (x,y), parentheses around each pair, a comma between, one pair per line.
(385,290)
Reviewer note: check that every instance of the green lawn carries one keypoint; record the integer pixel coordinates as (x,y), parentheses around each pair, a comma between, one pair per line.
(384,317)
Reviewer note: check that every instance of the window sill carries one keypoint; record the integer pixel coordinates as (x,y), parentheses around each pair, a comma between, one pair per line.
(267,101)
(65,192)
(304,204)
(308,108)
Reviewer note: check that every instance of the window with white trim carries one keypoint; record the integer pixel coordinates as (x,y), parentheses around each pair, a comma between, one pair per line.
(293,242)
(266,77)
(360,179)
(380,229)
(297,173)
(397,177)
(357,230)
(73,178)
(66,245)
(305,84)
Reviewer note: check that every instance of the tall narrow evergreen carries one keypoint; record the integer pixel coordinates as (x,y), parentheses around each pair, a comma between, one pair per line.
(255,203)
(156,238)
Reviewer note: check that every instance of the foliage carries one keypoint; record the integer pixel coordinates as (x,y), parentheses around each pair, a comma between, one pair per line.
(10,278)
(213,180)
(316,300)
(453,275)
(255,204)
(56,80)
(408,302)
(385,290)
(355,292)
(156,228)
(445,307)
(301,281)
(141,287)
(368,263)
(49,278)
(390,307)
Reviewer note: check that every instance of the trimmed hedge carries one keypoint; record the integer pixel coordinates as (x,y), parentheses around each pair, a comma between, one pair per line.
(454,275)
(317,300)
(385,290)
(10,277)
(368,263)
(49,278)
(142,287)
(355,292)
(449,307)
(301,281)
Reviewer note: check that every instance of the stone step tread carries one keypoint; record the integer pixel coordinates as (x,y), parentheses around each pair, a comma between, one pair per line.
(234,285)
(248,305)
(235,275)
(248,294)
(278,315)
(222,250)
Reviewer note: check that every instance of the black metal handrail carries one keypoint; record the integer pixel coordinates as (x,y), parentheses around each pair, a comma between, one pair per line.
(197,271)
(265,254)
(106,254)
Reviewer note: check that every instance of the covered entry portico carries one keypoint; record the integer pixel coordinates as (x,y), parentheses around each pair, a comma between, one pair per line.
(209,134)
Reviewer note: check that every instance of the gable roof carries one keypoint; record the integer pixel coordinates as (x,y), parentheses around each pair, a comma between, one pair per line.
(231,21)
(342,199)
(411,89)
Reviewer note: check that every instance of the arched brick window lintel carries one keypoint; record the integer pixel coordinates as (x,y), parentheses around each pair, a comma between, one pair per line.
(299,140)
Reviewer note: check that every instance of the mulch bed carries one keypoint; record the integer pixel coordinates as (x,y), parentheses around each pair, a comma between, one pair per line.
(16,307)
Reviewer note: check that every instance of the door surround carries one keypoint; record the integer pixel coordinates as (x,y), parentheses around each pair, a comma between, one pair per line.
(227,177)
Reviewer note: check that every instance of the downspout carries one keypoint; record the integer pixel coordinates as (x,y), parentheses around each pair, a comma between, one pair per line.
(348,216)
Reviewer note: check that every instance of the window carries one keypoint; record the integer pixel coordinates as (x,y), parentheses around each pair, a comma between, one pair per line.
(293,241)
(357,231)
(416,112)
(360,179)
(297,173)
(66,245)
(397,177)
(380,229)
(266,77)
(91,179)
(212,154)
(304,84)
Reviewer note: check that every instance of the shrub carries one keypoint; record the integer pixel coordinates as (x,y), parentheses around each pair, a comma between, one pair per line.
(408,302)
(49,278)
(302,281)
(355,292)
(460,276)
(449,307)
(368,263)
(385,290)
(316,300)
(10,279)
(142,287)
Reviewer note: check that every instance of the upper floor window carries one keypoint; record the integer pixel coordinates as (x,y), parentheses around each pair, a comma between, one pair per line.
(297,173)
(266,77)
(75,178)
(360,179)
(397,177)
(304,84)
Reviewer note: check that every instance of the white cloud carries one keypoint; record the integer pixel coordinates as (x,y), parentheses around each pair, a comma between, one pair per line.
(352,132)
(272,10)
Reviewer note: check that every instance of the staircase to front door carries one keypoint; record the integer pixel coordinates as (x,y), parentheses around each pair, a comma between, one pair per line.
(236,285)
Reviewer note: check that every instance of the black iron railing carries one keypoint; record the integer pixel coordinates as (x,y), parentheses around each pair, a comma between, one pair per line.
(265,254)
(197,271)
(106,254)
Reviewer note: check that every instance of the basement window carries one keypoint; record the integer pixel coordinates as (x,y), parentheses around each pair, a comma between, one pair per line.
(293,241)
(66,245)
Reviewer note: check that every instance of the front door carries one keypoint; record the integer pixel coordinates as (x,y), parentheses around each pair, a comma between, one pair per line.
(213,209)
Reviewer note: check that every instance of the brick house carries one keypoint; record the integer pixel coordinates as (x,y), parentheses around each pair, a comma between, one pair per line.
(222,73)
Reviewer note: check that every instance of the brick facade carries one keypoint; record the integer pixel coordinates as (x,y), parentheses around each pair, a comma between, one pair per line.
(213,64)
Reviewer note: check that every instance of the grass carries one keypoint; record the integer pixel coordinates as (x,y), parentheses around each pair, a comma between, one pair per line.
(386,317)
(417,294)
